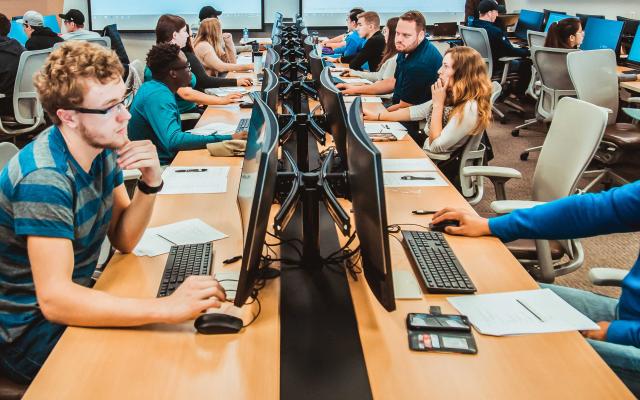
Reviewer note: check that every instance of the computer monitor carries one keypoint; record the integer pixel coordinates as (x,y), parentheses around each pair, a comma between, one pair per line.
(549,12)
(602,34)
(256,193)
(584,18)
(272,60)
(17,32)
(630,26)
(553,17)
(316,65)
(270,89)
(369,208)
(335,113)
(308,46)
(528,21)
(51,21)
(634,53)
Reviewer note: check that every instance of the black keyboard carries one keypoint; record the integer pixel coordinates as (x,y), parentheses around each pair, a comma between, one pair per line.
(243,125)
(183,261)
(631,71)
(440,269)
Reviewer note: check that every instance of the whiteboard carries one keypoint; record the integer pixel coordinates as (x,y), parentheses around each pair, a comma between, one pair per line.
(142,15)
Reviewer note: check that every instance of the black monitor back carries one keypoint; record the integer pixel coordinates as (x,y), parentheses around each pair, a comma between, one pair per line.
(256,193)
(270,89)
(272,60)
(316,66)
(529,21)
(630,26)
(547,13)
(335,114)
(369,208)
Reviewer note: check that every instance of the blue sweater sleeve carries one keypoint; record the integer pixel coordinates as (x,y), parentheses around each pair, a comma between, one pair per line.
(624,332)
(616,210)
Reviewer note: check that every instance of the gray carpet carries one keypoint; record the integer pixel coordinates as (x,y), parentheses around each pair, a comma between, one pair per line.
(615,251)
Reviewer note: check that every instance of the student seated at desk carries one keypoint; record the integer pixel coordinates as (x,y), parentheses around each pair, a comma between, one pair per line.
(340,40)
(215,57)
(353,42)
(460,104)
(383,79)
(371,53)
(579,216)
(74,24)
(154,113)
(10,51)
(40,36)
(502,47)
(565,34)
(60,197)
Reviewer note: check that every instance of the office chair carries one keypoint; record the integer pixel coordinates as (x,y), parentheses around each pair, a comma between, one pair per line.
(472,154)
(477,39)
(535,39)
(27,110)
(7,150)
(573,138)
(594,75)
(102,41)
(555,83)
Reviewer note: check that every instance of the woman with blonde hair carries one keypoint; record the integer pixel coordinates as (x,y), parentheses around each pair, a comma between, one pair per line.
(460,104)
(215,51)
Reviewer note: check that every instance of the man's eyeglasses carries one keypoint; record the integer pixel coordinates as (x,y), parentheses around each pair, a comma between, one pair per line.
(187,66)
(118,107)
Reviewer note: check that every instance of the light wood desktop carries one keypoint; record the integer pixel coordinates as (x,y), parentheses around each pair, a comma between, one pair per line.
(173,362)
(633,86)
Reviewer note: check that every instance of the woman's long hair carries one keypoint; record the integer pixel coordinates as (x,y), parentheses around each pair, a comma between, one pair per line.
(560,32)
(167,25)
(470,82)
(210,31)
(390,47)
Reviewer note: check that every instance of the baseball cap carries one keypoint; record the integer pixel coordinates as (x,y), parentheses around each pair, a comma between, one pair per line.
(208,12)
(32,18)
(73,15)
(487,5)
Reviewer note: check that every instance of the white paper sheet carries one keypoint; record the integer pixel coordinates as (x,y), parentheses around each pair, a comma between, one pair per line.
(223,91)
(219,128)
(243,60)
(365,99)
(356,81)
(405,285)
(407,164)
(199,179)
(158,240)
(517,313)
(395,179)
(383,127)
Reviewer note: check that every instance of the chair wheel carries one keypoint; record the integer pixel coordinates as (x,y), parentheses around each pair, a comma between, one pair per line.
(515,132)
(524,156)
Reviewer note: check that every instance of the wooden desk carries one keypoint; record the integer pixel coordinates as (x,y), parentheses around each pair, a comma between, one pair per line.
(631,86)
(171,362)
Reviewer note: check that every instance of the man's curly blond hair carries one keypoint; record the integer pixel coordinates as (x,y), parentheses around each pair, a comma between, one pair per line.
(61,83)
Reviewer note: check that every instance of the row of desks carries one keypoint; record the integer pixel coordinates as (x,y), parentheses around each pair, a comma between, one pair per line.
(173,362)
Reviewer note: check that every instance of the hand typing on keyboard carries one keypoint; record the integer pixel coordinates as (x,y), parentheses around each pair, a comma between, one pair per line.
(470,224)
(194,296)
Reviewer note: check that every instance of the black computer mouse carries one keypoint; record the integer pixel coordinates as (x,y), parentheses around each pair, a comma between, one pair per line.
(439,227)
(214,323)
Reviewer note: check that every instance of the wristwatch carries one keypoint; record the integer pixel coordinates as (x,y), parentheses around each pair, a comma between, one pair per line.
(146,189)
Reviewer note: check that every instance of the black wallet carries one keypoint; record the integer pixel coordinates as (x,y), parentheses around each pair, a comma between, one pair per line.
(440,332)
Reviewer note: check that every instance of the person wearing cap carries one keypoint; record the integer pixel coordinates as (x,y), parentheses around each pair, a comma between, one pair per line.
(502,47)
(40,36)
(74,24)
(10,51)
(210,12)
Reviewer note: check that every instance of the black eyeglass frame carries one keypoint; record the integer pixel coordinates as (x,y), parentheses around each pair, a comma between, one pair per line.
(126,102)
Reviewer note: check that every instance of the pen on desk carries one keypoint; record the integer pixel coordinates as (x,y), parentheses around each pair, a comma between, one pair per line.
(192,170)
(530,310)
(417,178)
(232,260)
(423,212)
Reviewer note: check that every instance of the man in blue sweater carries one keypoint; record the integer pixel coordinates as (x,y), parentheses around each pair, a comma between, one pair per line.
(353,42)
(154,113)
(613,211)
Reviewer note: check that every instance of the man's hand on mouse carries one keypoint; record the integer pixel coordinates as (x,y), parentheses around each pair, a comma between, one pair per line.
(195,295)
(469,224)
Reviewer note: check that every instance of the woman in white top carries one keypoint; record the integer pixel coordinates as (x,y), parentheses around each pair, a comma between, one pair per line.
(216,51)
(387,68)
(460,104)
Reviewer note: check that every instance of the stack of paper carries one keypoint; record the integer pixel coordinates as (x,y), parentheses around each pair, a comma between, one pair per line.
(413,179)
(394,128)
(158,240)
(195,179)
(365,99)
(214,128)
(517,313)
(224,91)
(242,60)
(407,164)
(356,81)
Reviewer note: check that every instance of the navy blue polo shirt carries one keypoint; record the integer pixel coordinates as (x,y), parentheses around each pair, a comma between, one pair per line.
(415,74)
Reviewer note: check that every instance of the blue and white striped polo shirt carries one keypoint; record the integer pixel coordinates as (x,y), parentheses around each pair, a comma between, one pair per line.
(45,192)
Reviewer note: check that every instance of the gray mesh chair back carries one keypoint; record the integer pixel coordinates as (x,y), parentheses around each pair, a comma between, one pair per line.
(535,38)
(551,65)
(595,78)
(27,107)
(104,41)
(7,150)
(477,39)
(572,140)
(138,66)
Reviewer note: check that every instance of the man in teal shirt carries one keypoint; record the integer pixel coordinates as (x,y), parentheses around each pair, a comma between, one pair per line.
(154,112)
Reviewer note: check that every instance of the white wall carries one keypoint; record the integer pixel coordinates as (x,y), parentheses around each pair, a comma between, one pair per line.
(609,8)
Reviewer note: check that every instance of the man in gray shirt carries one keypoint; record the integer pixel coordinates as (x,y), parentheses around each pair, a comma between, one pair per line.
(74,24)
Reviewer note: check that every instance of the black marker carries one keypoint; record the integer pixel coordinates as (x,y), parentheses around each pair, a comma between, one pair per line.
(417,178)
(232,260)
(422,212)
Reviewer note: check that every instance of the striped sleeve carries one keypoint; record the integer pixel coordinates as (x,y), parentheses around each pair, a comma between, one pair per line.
(43,205)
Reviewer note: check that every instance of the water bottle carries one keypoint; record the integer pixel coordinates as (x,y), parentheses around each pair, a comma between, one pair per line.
(245,35)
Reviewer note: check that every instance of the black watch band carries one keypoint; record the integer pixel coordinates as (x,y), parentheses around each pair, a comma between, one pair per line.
(146,189)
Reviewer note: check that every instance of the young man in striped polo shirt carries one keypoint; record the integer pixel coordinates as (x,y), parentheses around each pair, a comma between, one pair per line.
(59,198)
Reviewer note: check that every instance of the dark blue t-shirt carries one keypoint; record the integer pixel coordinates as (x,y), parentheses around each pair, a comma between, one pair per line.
(415,74)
